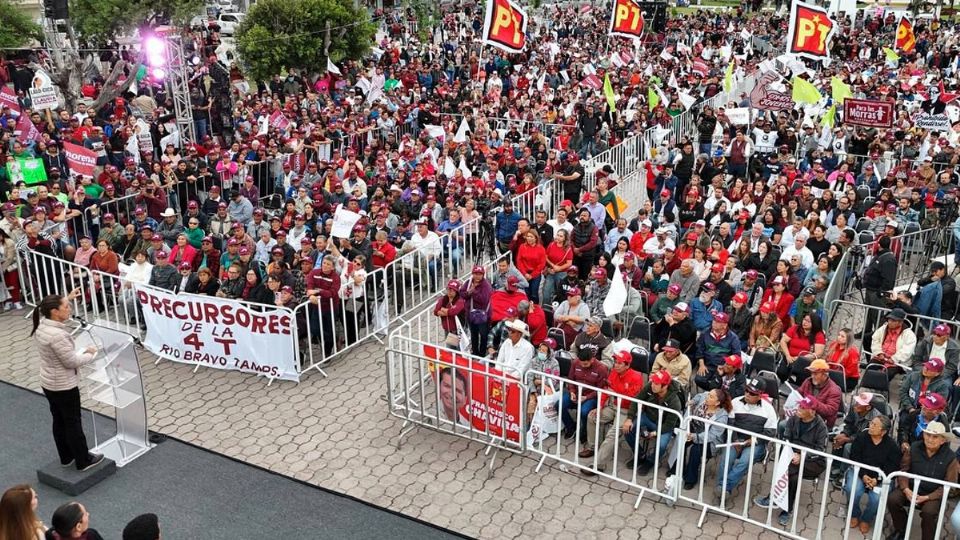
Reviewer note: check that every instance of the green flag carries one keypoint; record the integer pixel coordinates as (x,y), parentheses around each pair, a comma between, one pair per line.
(805,92)
(608,93)
(652,98)
(390,84)
(839,90)
(891,54)
(30,170)
(829,118)
(141,73)
(728,78)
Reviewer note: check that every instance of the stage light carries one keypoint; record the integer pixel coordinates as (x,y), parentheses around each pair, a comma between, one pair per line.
(155,50)
(158,73)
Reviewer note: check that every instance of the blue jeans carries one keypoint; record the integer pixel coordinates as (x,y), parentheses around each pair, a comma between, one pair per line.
(584,409)
(737,466)
(869,513)
(705,148)
(200,125)
(955,520)
(662,444)
(550,286)
(534,290)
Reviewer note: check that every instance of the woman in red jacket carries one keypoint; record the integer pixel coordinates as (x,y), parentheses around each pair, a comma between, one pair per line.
(531,260)
(782,300)
(449,308)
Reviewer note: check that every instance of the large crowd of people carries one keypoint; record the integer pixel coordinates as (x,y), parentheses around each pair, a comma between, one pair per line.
(726,262)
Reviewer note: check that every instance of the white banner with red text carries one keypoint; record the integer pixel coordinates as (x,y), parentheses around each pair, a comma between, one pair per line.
(218,333)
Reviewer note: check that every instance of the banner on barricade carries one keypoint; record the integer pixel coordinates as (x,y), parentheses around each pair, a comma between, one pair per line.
(481,399)
(82,161)
(219,333)
(809,31)
(626,19)
(869,113)
(937,122)
(505,26)
(780,493)
(766,98)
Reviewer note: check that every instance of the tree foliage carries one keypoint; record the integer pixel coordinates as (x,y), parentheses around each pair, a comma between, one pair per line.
(16,28)
(98,21)
(282,34)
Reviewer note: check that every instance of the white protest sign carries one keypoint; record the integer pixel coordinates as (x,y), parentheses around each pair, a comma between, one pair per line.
(343,222)
(616,296)
(739,116)
(780,493)
(938,122)
(42,93)
(144,138)
(219,333)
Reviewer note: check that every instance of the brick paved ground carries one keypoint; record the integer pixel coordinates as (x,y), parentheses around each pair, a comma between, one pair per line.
(336,433)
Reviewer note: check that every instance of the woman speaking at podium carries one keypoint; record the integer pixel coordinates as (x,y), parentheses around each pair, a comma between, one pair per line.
(60,378)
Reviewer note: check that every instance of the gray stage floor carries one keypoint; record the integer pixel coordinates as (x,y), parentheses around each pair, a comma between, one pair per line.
(195,492)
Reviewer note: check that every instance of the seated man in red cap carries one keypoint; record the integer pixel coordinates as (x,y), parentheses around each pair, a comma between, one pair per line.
(509,297)
(715,344)
(728,376)
(665,303)
(932,407)
(826,395)
(648,424)
(804,430)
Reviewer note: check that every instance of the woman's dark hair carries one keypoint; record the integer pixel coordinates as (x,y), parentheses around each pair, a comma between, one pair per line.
(724,399)
(66,518)
(816,326)
(44,308)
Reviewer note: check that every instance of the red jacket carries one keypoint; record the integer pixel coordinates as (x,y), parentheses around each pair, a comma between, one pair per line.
(500,301)
(327,287)
(448,321)
(537,322)
(531,259)
(783,306)
(826,401)
(629,384)
(389,254)
(595,375)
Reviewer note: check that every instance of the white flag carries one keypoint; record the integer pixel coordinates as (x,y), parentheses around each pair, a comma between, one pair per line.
(332,68)
(541,81)
(780,494)
(449,169)
(363,84)
(132,148)
(616,60)
(687,100)
(464,169)
(461,135)
(672,81)
(648,71)
(665,55)
(434,131)
(589,69)
(616,297)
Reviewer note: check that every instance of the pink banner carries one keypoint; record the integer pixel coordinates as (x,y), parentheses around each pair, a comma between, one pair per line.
(26,131)
(278,120)
(81,160)
(592,81)
(7,98)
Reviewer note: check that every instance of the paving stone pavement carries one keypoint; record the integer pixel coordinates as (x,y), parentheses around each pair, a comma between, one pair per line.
(336,433)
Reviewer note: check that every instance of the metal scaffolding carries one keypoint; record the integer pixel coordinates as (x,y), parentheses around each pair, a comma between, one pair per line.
(178,84)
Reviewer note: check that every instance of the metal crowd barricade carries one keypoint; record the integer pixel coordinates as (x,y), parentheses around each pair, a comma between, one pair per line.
(42,275)
(552,446)
(854,315)
(418,275)
(105,299)
(443,390)
(943,514)
(832,515)
(351,321)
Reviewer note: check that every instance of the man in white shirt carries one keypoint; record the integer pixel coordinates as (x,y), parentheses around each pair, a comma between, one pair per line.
(659,243)
(516,353)
(427,245)
(561,222)
(791,232)
(799,247)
